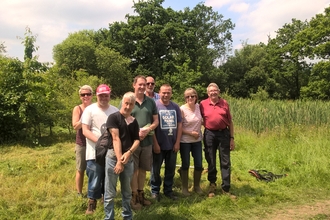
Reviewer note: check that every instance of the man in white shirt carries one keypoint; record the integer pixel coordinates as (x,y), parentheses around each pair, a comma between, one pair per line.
(93,124)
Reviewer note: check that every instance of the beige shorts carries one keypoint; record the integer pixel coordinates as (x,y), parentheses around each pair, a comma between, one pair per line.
(142,157)
(80,157)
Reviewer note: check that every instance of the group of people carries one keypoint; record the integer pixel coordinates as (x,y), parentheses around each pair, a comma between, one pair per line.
(148,129)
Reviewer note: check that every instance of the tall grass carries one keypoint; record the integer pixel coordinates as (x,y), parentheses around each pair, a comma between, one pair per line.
(260,116)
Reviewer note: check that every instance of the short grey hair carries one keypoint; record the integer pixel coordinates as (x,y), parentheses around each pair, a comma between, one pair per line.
(86,87)
(212,85)
(129,95)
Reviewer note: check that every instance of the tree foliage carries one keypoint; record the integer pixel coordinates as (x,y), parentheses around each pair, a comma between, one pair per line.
(246,71)
(159,40)
(80,52)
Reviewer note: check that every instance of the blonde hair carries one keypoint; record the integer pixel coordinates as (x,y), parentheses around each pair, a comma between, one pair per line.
(191,91)
(86,87)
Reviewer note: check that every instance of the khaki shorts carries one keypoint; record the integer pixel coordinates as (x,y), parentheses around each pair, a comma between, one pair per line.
(142,157)
(80,157)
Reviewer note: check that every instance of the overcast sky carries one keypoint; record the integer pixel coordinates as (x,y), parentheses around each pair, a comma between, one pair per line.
(53,20)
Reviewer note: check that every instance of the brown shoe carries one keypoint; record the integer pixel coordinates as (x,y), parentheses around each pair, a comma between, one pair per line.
(143,201)
(212,190)
(91,206)
(135,204)
(228,194)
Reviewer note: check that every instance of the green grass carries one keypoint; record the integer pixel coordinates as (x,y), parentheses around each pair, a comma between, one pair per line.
(38,182)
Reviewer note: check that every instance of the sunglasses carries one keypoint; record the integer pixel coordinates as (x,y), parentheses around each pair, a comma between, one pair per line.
(85,94)
(190,96)
(148,84)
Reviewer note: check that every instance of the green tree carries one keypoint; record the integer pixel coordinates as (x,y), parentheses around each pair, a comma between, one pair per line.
(11,96)
(287,66)
(110,65)
(83,52)
(76,52)
(26,99)
(246,71)
(314,43)
(158,40)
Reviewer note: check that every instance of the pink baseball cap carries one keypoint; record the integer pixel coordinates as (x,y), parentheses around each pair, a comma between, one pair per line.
(103,89)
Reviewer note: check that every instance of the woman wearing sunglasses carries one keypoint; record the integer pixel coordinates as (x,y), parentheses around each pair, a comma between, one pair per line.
(191,141)
(85,94)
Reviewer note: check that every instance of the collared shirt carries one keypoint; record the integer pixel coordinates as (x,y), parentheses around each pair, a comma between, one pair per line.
(144,113)
(156,96)
(216,116)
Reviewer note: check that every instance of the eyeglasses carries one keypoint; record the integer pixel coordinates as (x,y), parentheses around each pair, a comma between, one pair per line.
(190,96)
(85,94)
(148,84)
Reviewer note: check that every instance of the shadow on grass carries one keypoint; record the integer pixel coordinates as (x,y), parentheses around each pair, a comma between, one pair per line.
(44,141)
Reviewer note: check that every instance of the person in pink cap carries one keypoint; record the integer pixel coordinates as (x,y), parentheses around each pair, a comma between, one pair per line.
(94,124)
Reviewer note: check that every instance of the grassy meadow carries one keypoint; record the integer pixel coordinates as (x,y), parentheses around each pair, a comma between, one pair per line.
(37,182)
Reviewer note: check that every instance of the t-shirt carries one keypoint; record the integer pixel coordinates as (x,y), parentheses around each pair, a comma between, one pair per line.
(144,115)
(96,118)
(128,132)
(166,132)
(191,121)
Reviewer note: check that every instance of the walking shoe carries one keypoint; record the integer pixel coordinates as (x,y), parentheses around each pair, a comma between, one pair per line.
(135,204)
(91,206)
(228,194)
(171,196)
(212,190)
(143,201)
(155,196)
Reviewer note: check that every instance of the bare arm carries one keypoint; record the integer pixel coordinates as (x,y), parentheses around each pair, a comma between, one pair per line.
(118,150)
(125,157)
(178,137)
(144,132)
(88,133)
(231,130)
(76,122)
(155,123)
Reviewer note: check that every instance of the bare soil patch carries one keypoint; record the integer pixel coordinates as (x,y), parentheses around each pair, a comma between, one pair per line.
(319,210)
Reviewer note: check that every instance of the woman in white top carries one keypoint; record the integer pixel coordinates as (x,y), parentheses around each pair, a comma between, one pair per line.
(191,140)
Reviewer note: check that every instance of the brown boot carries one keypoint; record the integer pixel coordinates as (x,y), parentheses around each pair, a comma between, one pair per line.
(184,180)
(91,206)
(143,201)
(197,180)
(135,204)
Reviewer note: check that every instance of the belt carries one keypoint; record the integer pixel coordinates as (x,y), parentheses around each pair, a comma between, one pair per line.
(226,128)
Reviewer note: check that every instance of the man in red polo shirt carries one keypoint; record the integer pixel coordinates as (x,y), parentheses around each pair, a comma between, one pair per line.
(218,134)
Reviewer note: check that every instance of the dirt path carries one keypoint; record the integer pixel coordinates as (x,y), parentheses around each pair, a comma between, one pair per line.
(319,210)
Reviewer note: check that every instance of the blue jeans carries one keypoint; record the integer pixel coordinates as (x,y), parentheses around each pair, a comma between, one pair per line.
(95,174)
(196,151)
(111,183)
(169,156)
(214,141)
